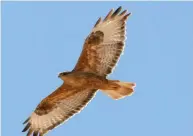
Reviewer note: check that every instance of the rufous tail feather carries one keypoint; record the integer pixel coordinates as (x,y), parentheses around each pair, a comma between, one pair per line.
(117,89)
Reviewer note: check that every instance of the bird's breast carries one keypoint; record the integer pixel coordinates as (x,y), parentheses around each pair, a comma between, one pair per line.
(84,80)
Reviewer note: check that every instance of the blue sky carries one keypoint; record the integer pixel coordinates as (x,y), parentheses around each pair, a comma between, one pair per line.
(41,39)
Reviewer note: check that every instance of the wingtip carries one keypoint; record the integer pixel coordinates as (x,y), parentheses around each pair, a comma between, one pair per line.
(29,132)
(126,16)
(123,13)
(120,7)
(26,127)
(98,21)
(26,120)
(117,11)
(109,15)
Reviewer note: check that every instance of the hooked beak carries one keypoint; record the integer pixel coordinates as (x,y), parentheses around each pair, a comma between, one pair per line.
(59,75)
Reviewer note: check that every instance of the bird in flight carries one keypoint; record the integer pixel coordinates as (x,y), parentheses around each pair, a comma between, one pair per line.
(101,51)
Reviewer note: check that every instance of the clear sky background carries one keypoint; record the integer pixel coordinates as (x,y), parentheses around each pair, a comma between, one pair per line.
(41,39)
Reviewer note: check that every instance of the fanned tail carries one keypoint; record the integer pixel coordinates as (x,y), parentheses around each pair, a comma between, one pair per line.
(117,90)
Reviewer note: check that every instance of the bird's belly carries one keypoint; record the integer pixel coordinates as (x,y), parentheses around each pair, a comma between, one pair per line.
(76,82)
(88,82)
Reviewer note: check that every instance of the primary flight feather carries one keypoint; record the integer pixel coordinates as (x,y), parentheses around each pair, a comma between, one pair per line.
(101,51)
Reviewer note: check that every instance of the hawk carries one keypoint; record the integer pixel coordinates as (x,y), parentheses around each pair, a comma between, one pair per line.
(101,51)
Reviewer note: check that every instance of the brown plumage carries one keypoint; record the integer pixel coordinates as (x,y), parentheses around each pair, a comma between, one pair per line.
(101,51)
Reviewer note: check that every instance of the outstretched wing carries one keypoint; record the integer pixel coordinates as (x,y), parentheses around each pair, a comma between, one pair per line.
(104,45)
(57,108)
